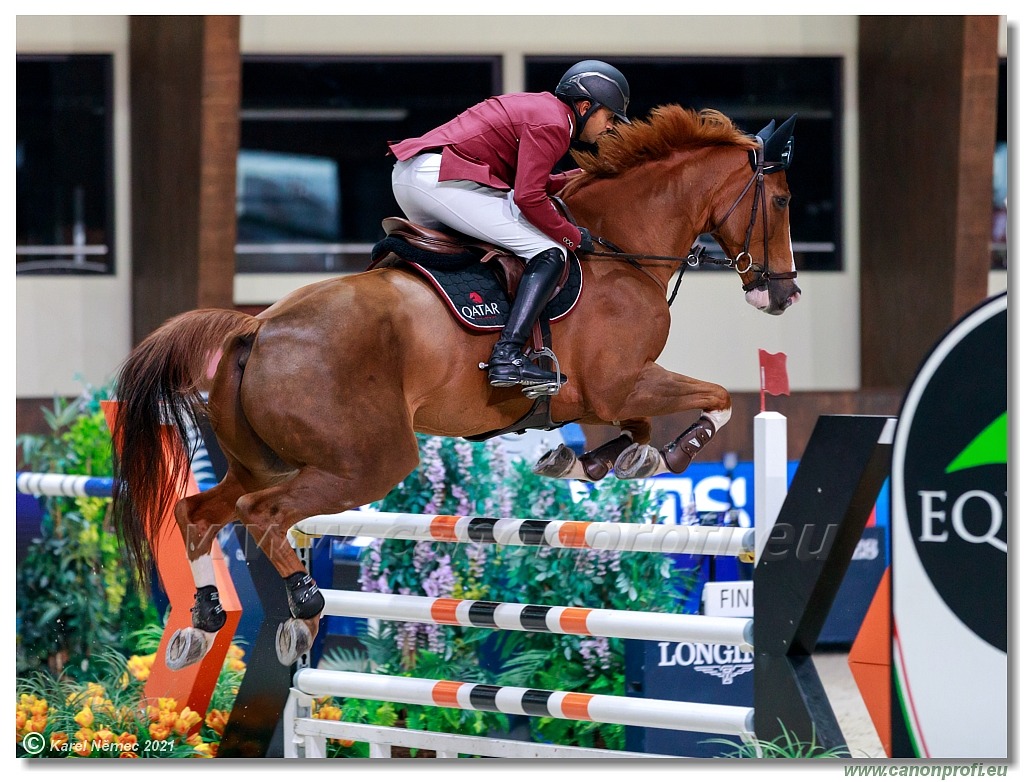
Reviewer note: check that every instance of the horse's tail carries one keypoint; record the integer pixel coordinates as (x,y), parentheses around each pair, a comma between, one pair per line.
(159,383)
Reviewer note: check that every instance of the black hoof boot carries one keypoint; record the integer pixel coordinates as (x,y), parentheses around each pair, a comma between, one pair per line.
(207,613)
(304,598)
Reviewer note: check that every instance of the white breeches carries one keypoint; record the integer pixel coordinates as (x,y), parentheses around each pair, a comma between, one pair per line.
(477,210)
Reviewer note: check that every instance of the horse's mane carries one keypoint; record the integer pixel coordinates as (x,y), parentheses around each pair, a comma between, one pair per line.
(666,130)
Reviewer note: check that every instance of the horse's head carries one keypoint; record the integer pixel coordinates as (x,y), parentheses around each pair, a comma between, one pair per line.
(750,220)
(656,184)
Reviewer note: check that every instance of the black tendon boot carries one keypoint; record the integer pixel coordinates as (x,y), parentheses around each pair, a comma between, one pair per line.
(507,365)
(207,613)
(304,598)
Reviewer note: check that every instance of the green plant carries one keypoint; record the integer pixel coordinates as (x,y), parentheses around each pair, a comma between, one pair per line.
(74,597)
(463,478)
(785,745)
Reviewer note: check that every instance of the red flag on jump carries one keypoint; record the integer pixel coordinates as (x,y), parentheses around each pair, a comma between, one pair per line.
(774,379)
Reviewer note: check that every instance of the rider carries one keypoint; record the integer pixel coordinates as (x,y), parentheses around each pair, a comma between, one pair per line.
(487,173)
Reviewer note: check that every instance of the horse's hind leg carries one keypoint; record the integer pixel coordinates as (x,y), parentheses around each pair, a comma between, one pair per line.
(595,464)
(269,513)
(200,517)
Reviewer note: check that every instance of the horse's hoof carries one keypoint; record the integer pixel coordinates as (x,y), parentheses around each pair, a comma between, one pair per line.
(638,461)
(187,647)
(556,463)
(293,640)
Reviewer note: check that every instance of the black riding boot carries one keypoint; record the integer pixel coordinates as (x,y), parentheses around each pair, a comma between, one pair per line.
(508,366)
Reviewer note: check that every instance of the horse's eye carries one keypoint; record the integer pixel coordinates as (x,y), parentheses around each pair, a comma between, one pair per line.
(782,201)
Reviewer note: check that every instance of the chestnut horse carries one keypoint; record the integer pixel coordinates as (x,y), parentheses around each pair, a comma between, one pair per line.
(315,402)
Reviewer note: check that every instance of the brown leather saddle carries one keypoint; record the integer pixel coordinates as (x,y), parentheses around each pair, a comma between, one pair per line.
(457,245)
(446,258)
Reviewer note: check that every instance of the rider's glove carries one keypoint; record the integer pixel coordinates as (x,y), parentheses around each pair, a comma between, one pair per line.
(586,241)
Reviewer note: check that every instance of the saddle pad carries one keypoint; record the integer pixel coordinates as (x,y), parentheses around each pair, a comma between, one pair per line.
(478,300)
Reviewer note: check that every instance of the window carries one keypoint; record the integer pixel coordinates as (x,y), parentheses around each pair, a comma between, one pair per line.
(314,180)
(752,92)
(64,169)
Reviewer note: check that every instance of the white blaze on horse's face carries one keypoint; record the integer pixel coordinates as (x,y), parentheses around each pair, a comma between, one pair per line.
(760,298)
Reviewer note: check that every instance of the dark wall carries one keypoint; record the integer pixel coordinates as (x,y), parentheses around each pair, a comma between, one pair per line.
(928,102)
(185,92)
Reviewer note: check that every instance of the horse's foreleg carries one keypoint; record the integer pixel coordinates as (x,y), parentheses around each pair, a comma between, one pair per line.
(595,464)
(660,392)
(200,517)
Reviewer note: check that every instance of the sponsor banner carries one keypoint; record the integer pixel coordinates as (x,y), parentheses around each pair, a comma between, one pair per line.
(949,546)
(684,671)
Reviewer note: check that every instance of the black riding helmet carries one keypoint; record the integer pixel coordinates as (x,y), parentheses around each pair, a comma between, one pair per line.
(598,82)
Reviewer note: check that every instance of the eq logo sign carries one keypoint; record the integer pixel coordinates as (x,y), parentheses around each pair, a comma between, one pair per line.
(949,530)
(953,471)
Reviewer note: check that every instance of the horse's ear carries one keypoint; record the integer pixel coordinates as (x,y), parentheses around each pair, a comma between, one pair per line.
(778,148)
(765,133)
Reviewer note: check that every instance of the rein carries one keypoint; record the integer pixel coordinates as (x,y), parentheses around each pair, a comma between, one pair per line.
(698,255)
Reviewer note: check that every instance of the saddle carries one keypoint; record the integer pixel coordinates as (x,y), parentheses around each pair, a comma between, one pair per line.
(476,279)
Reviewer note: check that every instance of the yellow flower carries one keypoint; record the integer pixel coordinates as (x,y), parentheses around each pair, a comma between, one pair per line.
(139,666)
(85,734)
(186,720)
(204,750)
(217,720)
(39,708)
(85,717)
(83,748)
(105,735)
(127,739)
(194,740)
(127,754)
(168,718)
(236,652)
(234,665)
(35,725)
(58,739)
(159,732)
(167,704)
(328,713)
(20,721)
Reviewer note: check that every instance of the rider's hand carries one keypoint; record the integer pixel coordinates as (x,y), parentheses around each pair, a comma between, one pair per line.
(586,241)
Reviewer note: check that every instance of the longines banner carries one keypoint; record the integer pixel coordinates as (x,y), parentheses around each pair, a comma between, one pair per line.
(949,568)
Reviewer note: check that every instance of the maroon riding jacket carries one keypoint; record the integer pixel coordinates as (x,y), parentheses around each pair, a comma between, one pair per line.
(509,142)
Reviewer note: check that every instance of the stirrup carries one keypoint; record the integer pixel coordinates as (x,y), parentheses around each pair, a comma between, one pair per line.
(544,389)
(534,390)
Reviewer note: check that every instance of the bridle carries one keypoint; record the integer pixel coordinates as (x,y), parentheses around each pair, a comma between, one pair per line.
(699,256)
